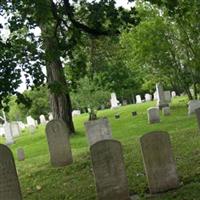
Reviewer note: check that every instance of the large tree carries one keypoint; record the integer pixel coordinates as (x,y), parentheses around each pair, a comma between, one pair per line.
(61,24)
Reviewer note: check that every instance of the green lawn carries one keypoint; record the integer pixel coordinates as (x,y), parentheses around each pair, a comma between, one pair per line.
(40,181)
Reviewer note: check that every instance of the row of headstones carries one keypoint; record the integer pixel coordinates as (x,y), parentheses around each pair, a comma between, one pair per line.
(107,161)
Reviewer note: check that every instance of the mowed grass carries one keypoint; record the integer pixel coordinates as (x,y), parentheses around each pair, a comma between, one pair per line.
(40,181)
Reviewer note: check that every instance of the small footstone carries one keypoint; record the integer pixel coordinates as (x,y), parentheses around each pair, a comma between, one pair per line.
(166,111)
(109,170)
(58,142)
(9,183)
(20,154)
(159,163)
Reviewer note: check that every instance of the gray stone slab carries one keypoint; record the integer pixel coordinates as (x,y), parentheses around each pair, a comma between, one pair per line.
(153,115)
(98,130)
(58,142)
(15,129)
(9,183)
(20,154)
(109,170)
(159,163)
(166,111)
(197,111)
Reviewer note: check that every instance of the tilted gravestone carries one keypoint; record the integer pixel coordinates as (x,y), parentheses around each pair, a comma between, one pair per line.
(159,163)
(153,115)
(98,130)
(161,102)
(15,129)
(109,170)
(20,154)
(9,183)
(58,142)
(197,111)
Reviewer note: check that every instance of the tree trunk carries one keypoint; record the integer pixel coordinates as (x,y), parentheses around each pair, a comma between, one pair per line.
(59,96)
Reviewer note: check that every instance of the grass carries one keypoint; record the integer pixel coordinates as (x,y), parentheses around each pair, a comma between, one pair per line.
(40,181)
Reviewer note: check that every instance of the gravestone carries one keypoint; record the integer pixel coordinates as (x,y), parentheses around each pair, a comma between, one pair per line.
(31,129)
(76,112)
(22,126)
(50,116)
(109,170)
(153,115)
(98,130)
(8,133)
(30,121)
(9,183)
(42,120)
(159,163)
(166,111)
(167,96)
(114,102)
(155,96)
(138,99)
(197,111)
(192,106)
(148,97)
(58,143)
(161,96)
(15,129)
(173,93)
(20,154)
(124,102)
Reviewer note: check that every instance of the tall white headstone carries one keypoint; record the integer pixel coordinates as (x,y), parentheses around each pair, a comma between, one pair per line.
(161,96)
(148,97)
(114,102)
(30,121)
(15,129)
(8,133)
(42,120)
(50,116)
(155,96)
(138,99)
(173,93)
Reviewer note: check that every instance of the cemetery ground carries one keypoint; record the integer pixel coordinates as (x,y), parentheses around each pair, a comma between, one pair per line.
(40,181)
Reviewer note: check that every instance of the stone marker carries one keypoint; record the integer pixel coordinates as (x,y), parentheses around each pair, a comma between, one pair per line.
(197,111)
(20,154)
(42,120)
(98,130)
(159,163)
(109,170)
(134,113)
(173,93)
(192,106)
(8,133)
(113,101)
(31,129)
(9,183)
(58,142)
(50,117)
(148,97)
(76,113)
(15,129)
(166,111)
(124,102)
(155,96)
(153,115)
(167,96)
(30,121)
(138,99)
(161,96)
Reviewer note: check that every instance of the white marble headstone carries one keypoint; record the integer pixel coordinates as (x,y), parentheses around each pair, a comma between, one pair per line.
(114,102)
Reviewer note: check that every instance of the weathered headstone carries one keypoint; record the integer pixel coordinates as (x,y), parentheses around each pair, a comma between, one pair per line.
(98,130)
(155,96)
(166,111)
(15,129)
(31,129)
(153,115)
(138,99)
(30,121)
(159,163)
(9,183)
(58,142)
(167,96)
(148,97)
(20,154)
(124,102)
(161,96)
(109,170)
(50,116)
(8,133)
(114,102)
(192,106)
(21,125)
(197,111)
(42,120)
(76,112)
(173,93)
